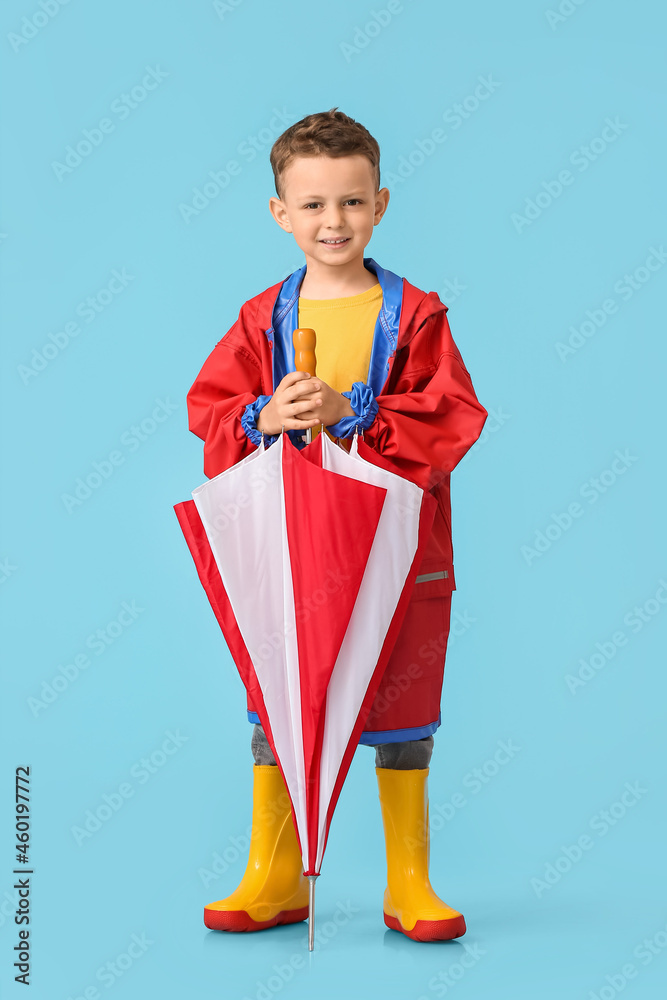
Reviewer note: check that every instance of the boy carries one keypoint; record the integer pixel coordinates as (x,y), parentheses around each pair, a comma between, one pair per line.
(387,365)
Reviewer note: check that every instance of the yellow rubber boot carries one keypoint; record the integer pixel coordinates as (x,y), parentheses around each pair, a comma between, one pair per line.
(273,889)
(410,904)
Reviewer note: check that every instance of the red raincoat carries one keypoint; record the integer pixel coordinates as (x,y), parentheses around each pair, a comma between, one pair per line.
(428,417)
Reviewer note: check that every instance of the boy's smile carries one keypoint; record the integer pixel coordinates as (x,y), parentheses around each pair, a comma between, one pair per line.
(330,205)
(340,242)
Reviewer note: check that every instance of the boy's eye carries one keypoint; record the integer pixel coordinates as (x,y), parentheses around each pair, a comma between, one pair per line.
(350,201)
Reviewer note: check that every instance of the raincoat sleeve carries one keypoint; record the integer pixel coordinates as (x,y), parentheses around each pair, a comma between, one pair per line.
(227,396)
(431,416)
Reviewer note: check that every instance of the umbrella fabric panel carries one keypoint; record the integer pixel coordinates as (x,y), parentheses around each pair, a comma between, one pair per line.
(331,524)
(209,575)
(331,521)
(243,513)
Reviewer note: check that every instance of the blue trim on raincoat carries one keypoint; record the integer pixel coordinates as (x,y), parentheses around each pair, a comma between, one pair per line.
(362,395)
(365,406)
(371,739)
(249,422)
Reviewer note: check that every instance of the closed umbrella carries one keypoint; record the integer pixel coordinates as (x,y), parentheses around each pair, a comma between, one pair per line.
(265,535)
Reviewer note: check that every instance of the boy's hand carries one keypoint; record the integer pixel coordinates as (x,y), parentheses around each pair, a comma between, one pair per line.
(302,401)
(328,406)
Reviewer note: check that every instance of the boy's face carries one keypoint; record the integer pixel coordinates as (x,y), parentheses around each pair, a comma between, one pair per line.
(330,205)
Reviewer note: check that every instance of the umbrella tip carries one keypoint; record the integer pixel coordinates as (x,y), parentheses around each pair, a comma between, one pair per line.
(311,911)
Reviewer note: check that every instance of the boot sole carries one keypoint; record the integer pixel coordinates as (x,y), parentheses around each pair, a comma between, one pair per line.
(429,930)
(238,920)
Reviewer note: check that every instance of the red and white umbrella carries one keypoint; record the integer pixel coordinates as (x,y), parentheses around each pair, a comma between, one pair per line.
(268,536)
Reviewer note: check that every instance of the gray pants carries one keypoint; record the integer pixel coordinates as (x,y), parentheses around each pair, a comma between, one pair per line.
(411,755)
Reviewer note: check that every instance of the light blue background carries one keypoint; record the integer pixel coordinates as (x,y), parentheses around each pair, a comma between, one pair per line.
(557,426)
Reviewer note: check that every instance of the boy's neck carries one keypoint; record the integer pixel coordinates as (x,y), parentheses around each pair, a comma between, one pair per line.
(324,281)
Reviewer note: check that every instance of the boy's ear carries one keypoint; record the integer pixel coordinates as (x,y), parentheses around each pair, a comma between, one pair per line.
(381,202)
(279,213)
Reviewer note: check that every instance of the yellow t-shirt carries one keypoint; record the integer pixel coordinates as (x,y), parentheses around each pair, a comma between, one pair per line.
(343,336)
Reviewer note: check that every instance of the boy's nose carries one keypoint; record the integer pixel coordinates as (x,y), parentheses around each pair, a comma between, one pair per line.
(334,219)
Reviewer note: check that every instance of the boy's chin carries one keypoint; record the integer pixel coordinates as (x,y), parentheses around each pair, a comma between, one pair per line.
(334,257)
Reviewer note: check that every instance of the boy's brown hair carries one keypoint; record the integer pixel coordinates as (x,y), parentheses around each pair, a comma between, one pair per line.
(326,133)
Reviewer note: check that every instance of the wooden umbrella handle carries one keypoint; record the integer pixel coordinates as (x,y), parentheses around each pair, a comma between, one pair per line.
(304,350)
